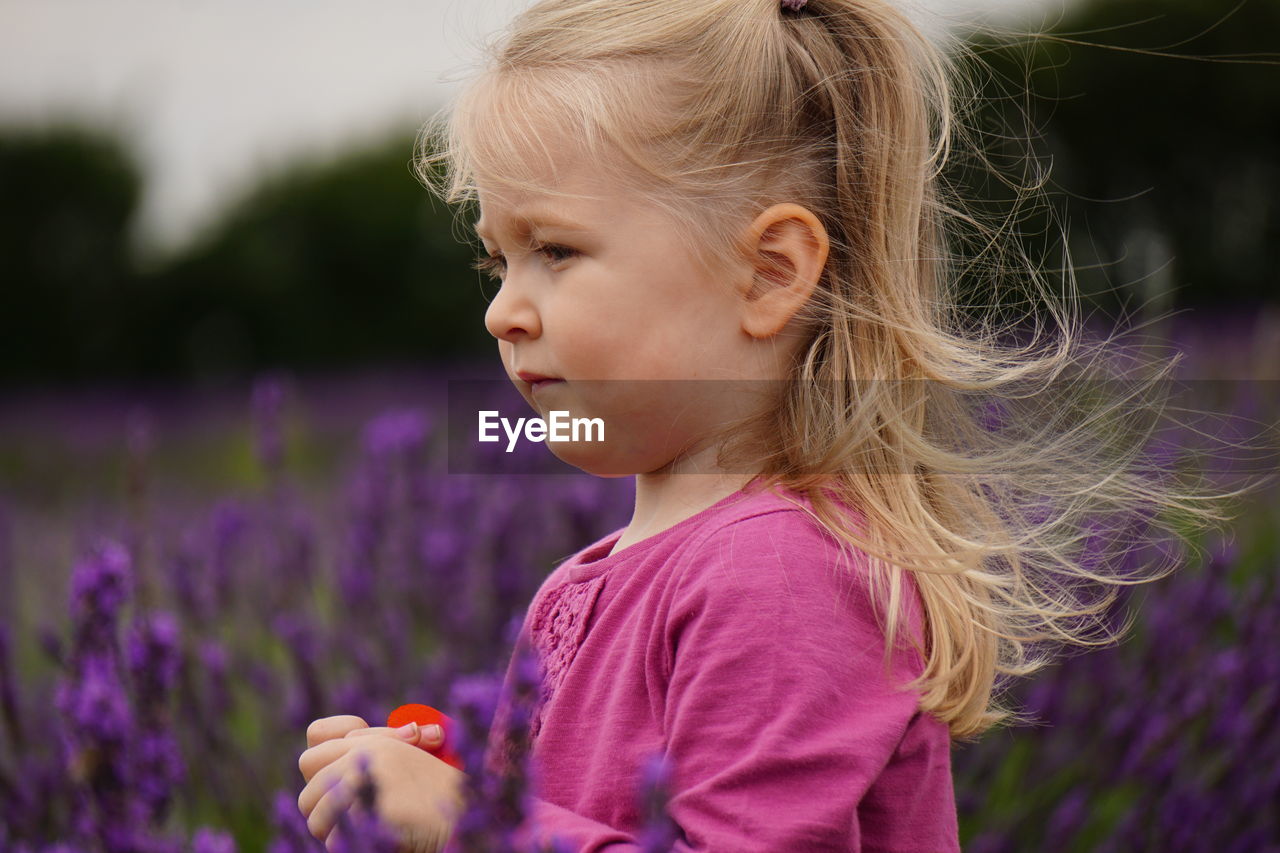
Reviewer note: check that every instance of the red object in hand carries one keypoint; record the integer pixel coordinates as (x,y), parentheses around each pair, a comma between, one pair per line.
(425,715)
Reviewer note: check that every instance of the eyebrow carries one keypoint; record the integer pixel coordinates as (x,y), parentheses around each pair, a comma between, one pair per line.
(533,219)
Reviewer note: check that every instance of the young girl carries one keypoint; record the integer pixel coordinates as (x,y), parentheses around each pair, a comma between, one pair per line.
(719,226)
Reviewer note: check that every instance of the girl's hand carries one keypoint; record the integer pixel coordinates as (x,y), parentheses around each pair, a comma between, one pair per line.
(328,728)
(345,725)
(418,794)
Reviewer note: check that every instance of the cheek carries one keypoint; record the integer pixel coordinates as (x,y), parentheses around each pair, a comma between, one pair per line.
(591,346)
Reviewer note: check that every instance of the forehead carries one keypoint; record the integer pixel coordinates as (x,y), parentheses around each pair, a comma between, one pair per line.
(566,192)
(531,167)
(525,219)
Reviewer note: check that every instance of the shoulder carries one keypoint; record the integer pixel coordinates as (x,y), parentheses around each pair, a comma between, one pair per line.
(770,542)
(772,568)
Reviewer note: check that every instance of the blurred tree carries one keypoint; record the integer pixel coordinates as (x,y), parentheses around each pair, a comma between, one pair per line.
(1161,121)
(67,195)
(327,265)
(342,263)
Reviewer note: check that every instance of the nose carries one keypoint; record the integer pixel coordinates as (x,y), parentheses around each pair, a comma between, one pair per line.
(511,314)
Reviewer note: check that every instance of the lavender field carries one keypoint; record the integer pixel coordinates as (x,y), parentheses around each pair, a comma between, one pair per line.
(188,578)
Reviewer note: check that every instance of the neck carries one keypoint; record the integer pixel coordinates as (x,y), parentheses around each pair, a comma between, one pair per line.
(669,495)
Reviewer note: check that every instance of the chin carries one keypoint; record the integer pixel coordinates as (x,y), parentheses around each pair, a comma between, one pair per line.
(593,459)
(601,460)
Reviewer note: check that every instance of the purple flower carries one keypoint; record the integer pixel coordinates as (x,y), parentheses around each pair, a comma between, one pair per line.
(95,705)
(158,769)
(659,831)
(153,656)
(101,583)
(212,841)
(395,433)
(359,829)
(291,833)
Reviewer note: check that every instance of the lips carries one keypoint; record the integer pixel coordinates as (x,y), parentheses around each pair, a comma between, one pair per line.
(537,380)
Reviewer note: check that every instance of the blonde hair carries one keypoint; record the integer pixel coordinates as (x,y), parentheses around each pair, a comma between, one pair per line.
(721,108)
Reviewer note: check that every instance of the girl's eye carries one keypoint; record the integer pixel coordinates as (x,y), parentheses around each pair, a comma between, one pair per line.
(556,253)
(496,265)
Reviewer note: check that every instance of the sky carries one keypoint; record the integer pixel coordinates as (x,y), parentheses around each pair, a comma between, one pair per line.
(212,94)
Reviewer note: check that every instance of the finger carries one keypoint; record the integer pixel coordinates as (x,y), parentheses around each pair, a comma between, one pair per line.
(328,728)
(315,759)
(427,737)
(372,730)
(431,736)
(323,782)
(316,788)
(334,802)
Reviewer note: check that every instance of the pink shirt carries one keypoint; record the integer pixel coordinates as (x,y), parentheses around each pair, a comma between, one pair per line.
(737,642)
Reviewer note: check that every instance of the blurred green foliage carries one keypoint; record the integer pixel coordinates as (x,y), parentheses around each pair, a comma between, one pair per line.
(326,265)
(66,199)
(1165,167)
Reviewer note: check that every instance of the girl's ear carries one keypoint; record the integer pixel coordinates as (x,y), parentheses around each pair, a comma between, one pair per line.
(787,248)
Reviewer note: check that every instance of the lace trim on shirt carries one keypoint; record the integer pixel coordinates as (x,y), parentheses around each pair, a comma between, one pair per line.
(558,627)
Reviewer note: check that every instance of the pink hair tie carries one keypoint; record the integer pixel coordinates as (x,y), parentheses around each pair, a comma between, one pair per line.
(794,5)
